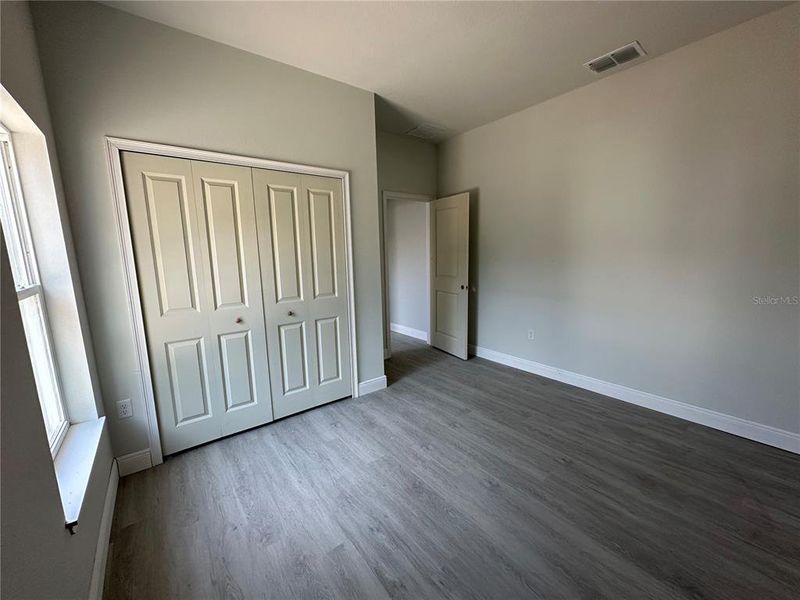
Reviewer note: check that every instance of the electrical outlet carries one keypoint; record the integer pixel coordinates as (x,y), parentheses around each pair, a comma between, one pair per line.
(530,334)
(124,408)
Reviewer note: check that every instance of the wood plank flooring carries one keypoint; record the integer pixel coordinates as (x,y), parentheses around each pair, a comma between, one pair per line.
(463,480)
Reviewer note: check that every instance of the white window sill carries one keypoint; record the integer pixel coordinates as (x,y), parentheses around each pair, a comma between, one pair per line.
(74,462)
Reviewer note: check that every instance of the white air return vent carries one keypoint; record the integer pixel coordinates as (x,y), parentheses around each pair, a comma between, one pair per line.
(426,131)
(615,58)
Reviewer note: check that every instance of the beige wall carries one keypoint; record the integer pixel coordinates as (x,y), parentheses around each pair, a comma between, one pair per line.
(34,144)
(407,235)
(110,73)
(39,558)
(405,164)
(631,222)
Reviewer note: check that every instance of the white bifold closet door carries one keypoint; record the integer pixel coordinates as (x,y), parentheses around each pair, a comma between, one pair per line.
(219,271)
(301,236)
(196,250)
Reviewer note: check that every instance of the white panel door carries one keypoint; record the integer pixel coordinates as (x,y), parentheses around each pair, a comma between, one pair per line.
(236,310)
(196,250)
(301,238)
(450,273)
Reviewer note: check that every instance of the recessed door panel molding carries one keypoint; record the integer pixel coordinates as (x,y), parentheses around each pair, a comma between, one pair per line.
(170,226)
(236,354)
(329,348)
(447,322)
(283,208)
(294,358)
(222,206)
(449,221)
(188,376)
(323,242)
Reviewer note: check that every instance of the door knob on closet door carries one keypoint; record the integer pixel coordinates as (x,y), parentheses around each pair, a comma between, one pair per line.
(291,313)
(239,320)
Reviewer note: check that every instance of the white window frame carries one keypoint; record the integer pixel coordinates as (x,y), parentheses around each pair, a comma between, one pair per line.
(22,256)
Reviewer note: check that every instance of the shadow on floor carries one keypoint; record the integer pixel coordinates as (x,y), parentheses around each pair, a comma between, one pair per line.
(410,355)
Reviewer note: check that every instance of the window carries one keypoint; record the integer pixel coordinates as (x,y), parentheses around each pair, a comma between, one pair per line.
(31,297)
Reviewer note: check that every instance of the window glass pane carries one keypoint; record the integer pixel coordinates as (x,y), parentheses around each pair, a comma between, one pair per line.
(12,214)
(17,234)
(33,319)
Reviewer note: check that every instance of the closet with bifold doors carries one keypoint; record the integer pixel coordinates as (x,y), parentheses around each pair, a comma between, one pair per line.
(243,287)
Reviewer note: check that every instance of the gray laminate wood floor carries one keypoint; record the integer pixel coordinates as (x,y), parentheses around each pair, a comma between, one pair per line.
(464,480)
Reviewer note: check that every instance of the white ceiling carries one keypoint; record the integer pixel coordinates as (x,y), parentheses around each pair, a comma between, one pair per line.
(455,65)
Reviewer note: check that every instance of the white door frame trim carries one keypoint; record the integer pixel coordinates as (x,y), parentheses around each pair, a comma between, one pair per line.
(114,147)
(386,196)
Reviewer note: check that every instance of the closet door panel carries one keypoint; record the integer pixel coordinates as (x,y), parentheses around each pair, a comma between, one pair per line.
(294,358)
(168,216)
(166,232)
(329,307)
(329,350)
(188,377)
(302,241)
(196,252)
(238,370)
(243,285)
(284,229)
(321,209)
(223,209)
(236,314)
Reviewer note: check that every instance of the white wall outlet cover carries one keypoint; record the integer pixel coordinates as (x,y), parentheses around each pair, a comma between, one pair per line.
(530,334)
(124,409)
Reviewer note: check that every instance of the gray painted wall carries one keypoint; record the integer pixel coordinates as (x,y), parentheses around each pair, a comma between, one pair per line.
(109,73)
(631,222)
(405,164)
(21,76)
(39,558)
(406,263)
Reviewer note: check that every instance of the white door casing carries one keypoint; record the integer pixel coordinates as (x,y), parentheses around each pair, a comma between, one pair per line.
(450,273)
(301,236)
(194,237)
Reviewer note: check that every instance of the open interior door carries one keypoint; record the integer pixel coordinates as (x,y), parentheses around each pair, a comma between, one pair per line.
(450,273)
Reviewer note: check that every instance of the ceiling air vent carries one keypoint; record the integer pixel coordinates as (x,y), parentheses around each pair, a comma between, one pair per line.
(427,131)
(615,58)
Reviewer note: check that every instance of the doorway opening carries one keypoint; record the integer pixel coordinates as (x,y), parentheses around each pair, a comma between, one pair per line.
(406,267)
(426,270)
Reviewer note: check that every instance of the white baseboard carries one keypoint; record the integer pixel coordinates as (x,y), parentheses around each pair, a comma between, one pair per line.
(758,432)
(134,462)
(101,553)
(372,385)
(409,331)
